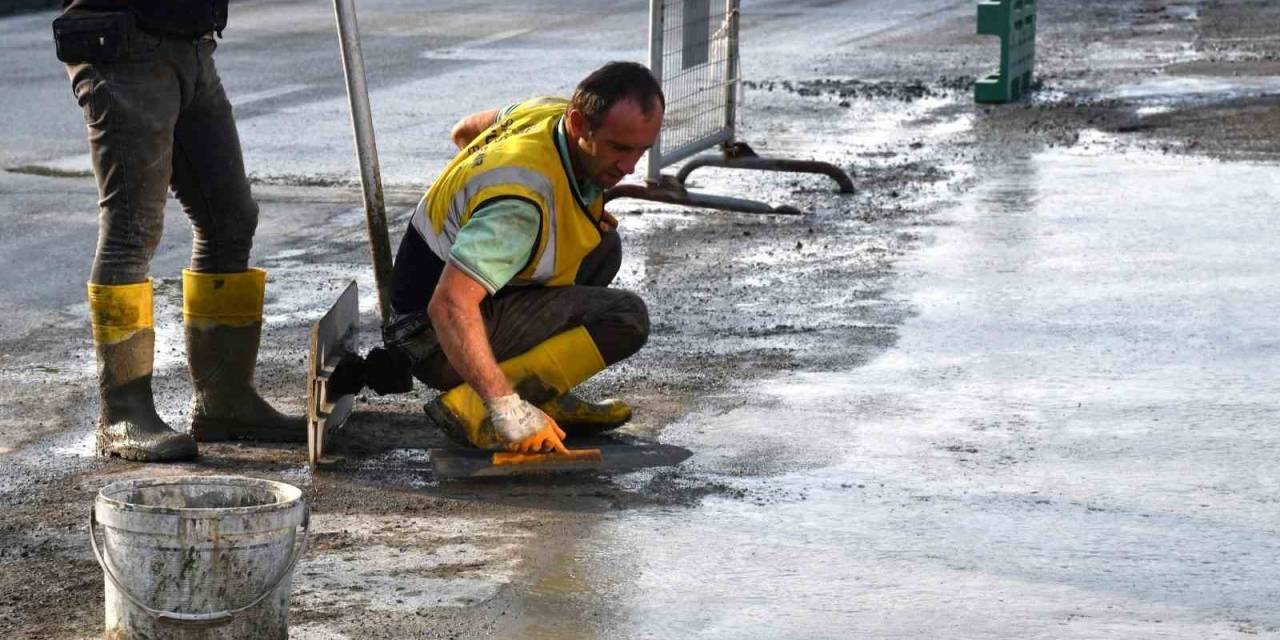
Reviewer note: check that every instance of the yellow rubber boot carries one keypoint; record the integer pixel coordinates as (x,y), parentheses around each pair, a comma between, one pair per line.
(124,341)
(223,315)
(579,417)
(539,375)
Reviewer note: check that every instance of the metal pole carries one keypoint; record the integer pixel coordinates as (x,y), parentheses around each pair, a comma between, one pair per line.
(733,74)
(656,19)
(375,211)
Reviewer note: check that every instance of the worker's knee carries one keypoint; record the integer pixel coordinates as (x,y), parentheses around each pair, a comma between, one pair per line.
(127,240)
(239,229)
(621,328)
(427,361)
(601,266)
(222,241)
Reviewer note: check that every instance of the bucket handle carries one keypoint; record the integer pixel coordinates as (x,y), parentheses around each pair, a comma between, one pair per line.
(216,618)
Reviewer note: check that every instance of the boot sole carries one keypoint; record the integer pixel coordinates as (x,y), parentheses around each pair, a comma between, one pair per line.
(135,454)
(589,428)
(583,430)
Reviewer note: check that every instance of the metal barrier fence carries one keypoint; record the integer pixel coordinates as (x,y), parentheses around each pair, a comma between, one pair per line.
(693,51)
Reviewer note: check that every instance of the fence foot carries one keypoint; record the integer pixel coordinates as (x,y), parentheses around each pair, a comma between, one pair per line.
(737,155)
(1014,22)
(672,192)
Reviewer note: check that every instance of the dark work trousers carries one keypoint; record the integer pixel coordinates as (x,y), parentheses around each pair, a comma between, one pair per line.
(519,318)
(159,118)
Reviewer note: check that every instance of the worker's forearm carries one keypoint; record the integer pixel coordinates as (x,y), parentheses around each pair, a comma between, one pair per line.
(461,332)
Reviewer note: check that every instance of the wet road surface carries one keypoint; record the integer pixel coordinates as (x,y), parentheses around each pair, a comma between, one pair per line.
(1072,439)
(1017,386)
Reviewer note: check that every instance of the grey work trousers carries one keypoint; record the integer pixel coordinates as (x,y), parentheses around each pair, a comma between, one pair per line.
(517,319)
(159,118)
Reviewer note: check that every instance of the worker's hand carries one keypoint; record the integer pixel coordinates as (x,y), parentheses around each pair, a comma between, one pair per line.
(550,439)
(607,222)
(524,427)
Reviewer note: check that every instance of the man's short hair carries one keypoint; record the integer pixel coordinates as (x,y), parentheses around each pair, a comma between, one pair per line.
(615,81)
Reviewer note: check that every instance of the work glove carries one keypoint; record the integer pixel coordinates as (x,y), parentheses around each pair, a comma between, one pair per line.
(524,427)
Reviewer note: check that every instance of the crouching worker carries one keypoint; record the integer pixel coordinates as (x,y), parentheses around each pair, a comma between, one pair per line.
(500,286)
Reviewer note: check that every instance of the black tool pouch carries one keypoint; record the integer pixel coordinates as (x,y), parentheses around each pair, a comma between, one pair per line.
(101,36)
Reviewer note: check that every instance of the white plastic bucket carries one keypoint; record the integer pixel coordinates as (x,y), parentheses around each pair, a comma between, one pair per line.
(197,557)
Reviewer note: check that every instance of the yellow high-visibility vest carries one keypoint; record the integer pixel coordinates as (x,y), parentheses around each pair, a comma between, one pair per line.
(516,158)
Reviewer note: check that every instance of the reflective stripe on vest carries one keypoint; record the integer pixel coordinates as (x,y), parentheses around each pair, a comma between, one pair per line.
(515,158)
(441,240)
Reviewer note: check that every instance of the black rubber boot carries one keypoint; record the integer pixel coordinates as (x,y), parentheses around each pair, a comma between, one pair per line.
(128,426)
(225,405)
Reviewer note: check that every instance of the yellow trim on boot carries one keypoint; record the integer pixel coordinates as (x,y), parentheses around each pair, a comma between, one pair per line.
(227,299)
(561,361)
(118,311)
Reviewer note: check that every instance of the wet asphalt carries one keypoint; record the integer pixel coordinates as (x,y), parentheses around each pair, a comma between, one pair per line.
(1017,386)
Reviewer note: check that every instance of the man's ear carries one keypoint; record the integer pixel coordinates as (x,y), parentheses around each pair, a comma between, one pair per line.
(576,124)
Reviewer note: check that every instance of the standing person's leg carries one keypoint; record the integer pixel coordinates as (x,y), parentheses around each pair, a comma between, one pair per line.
(222,296)
(130,108)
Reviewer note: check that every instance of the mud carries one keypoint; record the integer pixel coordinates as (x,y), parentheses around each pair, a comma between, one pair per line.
(733,299)
(849,89)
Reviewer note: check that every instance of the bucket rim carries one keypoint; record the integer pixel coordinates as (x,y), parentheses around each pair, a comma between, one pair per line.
(291,496)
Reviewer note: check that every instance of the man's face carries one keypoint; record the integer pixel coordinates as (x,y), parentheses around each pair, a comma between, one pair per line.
(610,152)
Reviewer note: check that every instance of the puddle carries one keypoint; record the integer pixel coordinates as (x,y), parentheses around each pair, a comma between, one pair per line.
(952,127)
(288,254)
(80,446)
(1168,90)
(27,467)
(401,468)
(1146,112)
(1074,438)
(1123,56)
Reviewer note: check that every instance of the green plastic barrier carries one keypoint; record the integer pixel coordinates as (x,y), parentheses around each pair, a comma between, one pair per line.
(1014,21)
